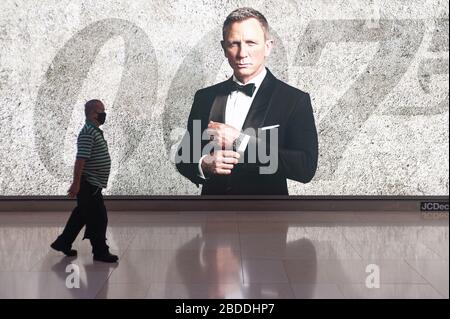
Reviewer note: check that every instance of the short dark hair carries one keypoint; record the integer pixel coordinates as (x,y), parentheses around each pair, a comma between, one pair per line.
(242,14)
(90,105)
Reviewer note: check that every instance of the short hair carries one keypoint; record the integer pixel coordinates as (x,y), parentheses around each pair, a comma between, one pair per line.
(242,14)
(90,105)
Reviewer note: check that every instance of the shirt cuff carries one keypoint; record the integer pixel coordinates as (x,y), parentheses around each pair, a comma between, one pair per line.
(241,148)
(200,171)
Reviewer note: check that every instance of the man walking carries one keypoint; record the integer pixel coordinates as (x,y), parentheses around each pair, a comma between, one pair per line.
(91,172)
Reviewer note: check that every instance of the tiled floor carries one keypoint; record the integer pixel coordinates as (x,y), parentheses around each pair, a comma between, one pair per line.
(231,255)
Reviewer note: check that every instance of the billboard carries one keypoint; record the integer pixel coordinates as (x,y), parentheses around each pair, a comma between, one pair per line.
(376,73)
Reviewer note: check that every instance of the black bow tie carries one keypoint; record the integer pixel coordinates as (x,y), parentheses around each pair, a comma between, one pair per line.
(248,89)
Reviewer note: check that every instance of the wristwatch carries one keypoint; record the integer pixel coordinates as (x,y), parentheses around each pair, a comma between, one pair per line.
(238,141)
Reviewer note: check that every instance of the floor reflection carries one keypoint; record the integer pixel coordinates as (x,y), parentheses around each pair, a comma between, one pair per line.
(232,255)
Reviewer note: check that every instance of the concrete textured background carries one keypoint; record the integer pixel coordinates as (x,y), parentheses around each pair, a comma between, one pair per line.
(377,72)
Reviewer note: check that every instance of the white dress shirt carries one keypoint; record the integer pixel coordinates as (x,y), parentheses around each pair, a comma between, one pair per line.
(236,110)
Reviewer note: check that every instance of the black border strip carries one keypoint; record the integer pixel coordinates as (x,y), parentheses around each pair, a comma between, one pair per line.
(227,203)
(238,197)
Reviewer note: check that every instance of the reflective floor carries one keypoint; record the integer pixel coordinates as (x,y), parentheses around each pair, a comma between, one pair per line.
(232,255)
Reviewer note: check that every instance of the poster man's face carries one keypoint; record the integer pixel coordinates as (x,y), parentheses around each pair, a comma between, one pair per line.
(246,48)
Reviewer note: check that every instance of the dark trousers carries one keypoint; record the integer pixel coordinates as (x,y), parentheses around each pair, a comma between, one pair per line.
(90,212)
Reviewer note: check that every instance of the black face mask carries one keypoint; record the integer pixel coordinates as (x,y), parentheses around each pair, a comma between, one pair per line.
(101,117)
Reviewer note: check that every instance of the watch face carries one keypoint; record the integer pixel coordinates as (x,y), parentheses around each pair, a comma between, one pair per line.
(237,142)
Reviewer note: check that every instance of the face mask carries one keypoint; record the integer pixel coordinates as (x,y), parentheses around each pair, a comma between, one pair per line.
(101,117)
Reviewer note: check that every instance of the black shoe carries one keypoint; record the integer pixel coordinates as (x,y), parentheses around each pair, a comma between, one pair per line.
(106,258)
(67,251)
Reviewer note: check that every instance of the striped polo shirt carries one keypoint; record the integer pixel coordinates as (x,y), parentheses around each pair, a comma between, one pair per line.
(92,147)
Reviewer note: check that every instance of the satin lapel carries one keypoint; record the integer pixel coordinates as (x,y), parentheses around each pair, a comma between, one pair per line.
(217,112)
(260,105)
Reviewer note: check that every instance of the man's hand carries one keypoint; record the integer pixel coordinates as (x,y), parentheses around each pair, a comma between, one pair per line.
(73,190)
(222,134)
(220,162)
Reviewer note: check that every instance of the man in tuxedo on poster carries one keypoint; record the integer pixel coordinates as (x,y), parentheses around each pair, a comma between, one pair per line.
(248,134)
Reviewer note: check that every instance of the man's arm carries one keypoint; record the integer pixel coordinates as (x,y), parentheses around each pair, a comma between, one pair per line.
(187,163)
(199,165)
(78,169)
(84,149)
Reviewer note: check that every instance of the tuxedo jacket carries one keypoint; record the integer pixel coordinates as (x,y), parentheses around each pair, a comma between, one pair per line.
(275,103)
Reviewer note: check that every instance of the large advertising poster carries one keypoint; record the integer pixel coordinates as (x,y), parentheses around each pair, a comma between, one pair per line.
(352,97)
